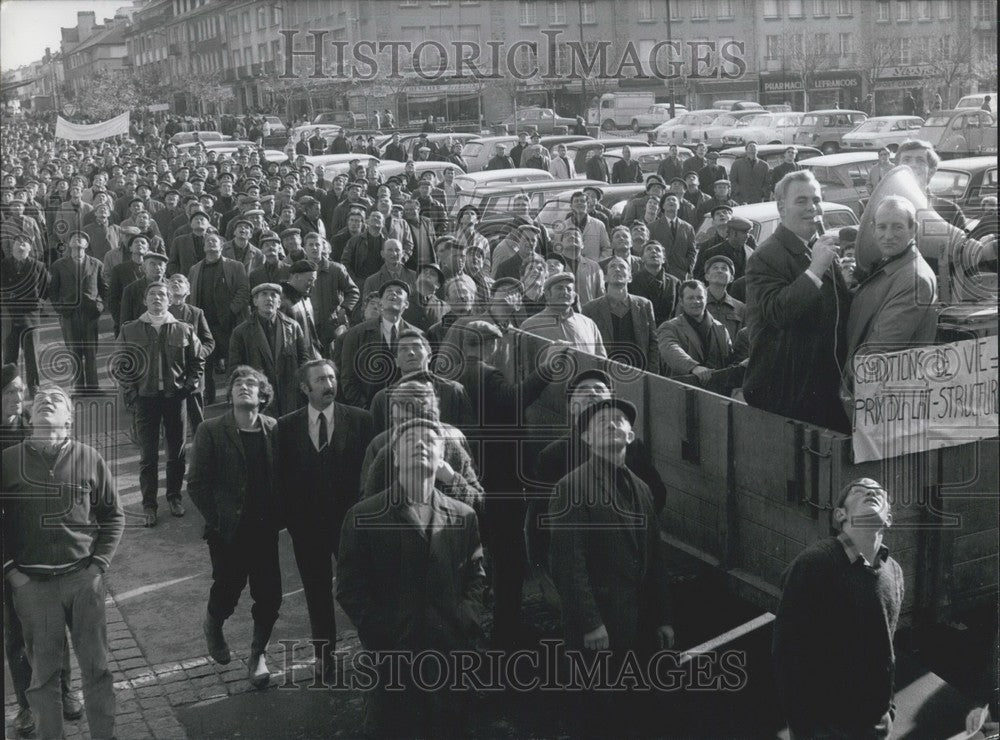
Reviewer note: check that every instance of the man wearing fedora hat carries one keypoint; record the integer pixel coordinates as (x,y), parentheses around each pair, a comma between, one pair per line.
(157,390)
(78,290)
(608,560)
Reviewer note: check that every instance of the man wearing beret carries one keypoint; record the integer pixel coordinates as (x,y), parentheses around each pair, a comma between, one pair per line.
(24,282)
(295,303)
(77,291)
(369,347)
(608,561)
(220,287)
(274,344)
(334,294)
(158,393)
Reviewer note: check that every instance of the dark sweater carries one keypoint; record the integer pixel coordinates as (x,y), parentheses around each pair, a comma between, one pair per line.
(833,652)
(60,526)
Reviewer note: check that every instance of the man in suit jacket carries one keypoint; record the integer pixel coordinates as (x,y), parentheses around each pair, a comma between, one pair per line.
(319,453)
(677,238)
(181,310)
(607,559)
(219,286)
(654,283)
(625,321)
(797,308)
(695,348)
(231,481)
(77,290)
(392,269)
(133,300)
(367,363)
(187,250)
(410,577)
(273,343)
(241,249)
(893,307)
(24,282)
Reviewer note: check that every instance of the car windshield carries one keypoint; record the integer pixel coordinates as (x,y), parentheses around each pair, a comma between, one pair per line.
(828,176)
(759,120)
(553,212)
(472,149)
(726,121)
(871,126)
(949,183)
(936,122)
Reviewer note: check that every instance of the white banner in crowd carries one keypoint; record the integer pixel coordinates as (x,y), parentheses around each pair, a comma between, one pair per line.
(925,398)
(117,126)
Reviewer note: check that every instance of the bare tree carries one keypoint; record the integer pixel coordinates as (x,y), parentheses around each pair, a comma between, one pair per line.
(107,94)
(207,90)
(805,58)
(984,69)
(951,61)
(876,57)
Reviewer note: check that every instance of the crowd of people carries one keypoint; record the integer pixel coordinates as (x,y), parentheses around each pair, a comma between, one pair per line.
(363,345)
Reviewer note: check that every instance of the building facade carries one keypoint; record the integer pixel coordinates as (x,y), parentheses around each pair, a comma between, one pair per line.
(90,48)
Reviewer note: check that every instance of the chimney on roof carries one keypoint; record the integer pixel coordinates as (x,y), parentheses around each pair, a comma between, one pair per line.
(85,22)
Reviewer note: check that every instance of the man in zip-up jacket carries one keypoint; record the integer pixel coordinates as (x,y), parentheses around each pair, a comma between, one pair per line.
(167,353)
(62,523)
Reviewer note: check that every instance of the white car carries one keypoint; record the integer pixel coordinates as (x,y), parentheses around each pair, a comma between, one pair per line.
(763,128)
(977,100)
(688,128)
(875,133)
(764,217)
(649,158)
(655,115)
(332,165)
(712,135)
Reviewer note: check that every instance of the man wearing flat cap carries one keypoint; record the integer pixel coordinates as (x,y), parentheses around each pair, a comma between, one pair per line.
(369,348)
(241,249)
(711,173)
(273,270)
(725,309)
(132,302)
(356,197)
(608,561)
(220,287)
(296,303)
(558,321)
(720,197)
(274,344)
(77,291)
(738,246)
(655,188)
(431,208)
(157,390)
(188,249)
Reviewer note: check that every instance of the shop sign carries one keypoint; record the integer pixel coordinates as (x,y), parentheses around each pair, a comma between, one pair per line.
(905,70)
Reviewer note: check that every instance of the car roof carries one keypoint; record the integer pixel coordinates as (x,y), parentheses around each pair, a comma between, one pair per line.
(658,149)
(825,111)
(502,188)
(613,143)
(491,139)
(321,160)
(968,163)
(893,118)
(769,210)
(392,167)
(487,175)
(764,149)
(832,160)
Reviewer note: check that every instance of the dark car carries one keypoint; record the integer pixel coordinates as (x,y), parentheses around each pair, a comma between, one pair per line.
(581,150)
(773,154)
(542,120)
(966,182)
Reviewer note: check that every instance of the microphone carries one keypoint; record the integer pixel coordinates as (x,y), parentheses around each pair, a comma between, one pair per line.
(820,230)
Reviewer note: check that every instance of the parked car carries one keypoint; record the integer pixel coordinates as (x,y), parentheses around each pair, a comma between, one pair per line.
(712,134)
(765,219)
(191,137)
(332,165)
(474,182)
(345,118)
(581,151)
(550,141)
(763,128)
(966,182)
(977,100)
(542,120)
(844,176)
(655,115)
(556,208)
(778,108)
(824,129)
(773,154)
(496,200)
(881,131)
(649,158)
(960,133)
(478,152)
(688,128)
(279,132)
(435,139)
(390,168)
(737,105)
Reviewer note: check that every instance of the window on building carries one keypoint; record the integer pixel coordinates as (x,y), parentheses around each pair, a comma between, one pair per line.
(529,15)
(772,9)
(905,54)
(986,10)
(820,9)
(557,12)
(261,18)
(276,50)
(588,11)
(821,42)
(409,4)
(944,10)
(795,9)
(699,10)
(924,10)
(246,21)
(903,10)
(772,46)
(845,45)
(237,59)
(275,15)
(261,52)
(844,7)
(795,44)
(987,46)
(944,47)
(526,61)
(725,9)
(644,10)
(882,10)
